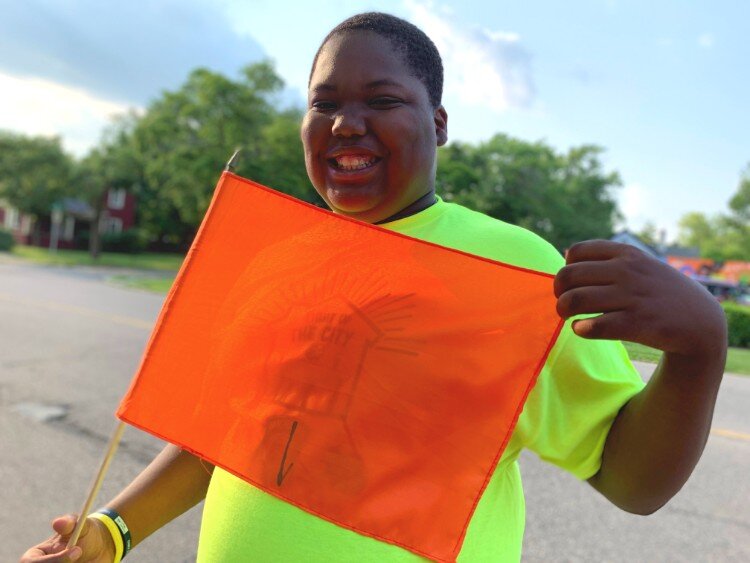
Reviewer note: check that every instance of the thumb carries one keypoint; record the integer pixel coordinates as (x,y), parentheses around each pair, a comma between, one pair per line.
(64,525)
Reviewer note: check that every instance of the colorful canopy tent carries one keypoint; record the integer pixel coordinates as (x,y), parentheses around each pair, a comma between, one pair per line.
(366,377)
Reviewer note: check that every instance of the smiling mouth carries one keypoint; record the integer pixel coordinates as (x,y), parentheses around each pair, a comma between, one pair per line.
(350,163)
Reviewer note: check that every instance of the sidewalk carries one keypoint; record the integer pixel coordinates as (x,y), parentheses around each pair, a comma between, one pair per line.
(8,258)
(93,272)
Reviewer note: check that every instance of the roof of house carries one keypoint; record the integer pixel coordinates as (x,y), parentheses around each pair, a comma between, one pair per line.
(683,251)
(627,237)
(77,208)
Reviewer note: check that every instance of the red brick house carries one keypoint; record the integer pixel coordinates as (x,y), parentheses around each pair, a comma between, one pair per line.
(118,216)
(15,222)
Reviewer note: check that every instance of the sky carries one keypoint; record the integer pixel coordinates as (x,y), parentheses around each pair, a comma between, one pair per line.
(661,86)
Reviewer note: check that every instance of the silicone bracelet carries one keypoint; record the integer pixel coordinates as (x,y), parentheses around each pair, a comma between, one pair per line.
(121,525)
(114,531)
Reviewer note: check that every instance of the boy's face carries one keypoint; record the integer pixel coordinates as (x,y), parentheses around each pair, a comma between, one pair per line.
(370,133)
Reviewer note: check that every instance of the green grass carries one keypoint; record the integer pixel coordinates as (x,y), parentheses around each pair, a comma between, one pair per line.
(641,353)
(738,359)
(145,261)
(156,285)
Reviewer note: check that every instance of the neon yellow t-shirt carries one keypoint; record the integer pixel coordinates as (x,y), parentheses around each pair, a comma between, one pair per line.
(565,421)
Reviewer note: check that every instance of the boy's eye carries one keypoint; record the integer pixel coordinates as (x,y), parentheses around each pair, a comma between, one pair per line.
(323,105)
(384,102)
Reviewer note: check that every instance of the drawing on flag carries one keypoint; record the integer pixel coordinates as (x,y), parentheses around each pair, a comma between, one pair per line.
(364,376)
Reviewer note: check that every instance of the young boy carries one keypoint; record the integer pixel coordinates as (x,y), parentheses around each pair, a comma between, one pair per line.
(373,124)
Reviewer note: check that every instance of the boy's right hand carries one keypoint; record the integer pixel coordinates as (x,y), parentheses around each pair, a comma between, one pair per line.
(94,545)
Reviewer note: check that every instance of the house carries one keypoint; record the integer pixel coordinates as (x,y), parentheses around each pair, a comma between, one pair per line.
(73,217)
(14,221)
(626,237)
(677,256)
(683,251)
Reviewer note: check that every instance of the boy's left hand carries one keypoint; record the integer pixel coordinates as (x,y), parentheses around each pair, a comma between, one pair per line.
(641,300)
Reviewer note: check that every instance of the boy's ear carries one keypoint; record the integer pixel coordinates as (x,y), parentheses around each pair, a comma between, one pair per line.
(441,125)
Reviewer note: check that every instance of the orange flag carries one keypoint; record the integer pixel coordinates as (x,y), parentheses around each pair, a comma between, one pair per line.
(364,376)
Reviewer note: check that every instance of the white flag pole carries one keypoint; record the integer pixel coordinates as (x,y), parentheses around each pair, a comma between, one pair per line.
(97,484)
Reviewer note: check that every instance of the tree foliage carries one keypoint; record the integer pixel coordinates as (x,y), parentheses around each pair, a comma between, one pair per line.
(564,198)
(113,164)
(35,172)
(725,236)
(650,234)
(740,202)
(171,154)
(185,137)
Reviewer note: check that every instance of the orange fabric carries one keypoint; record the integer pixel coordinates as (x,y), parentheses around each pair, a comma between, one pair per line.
(366,377)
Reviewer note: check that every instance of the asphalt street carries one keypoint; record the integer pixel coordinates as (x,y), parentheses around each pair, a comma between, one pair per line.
(70,343)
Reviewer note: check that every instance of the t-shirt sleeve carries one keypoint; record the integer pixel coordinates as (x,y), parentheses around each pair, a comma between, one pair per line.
(578,394)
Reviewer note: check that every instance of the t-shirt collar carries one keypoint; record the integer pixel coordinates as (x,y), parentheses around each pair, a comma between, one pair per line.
(418,219)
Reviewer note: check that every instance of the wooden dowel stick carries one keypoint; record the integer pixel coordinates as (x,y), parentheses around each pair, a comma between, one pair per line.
(97,484)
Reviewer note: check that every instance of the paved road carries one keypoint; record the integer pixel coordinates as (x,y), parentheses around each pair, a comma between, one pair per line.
(69,340)
(69,344)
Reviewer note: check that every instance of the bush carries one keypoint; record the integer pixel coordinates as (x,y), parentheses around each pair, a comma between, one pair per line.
(6,240)
(81,240)
(738,320)
(131,241)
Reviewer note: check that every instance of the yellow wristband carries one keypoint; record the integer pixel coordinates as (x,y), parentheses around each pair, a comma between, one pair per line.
(114,531)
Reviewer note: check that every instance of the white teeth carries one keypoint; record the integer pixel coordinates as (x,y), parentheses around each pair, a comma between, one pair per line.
(348,162)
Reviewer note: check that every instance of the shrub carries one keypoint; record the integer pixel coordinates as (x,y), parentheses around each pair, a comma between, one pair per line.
(81,240)
(738,320)
(6,240)
(131,241)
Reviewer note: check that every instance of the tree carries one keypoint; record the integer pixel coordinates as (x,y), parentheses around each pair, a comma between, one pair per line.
(113,164)
(720,238)
(280,161)
(740,202)
(185,137)
(562,197)
(724,236)
(649,234)
(699,231)
(584,197)
(35,173)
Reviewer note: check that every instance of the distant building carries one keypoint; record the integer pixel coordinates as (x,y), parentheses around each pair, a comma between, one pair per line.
(664,253)
(14,221)
(626,237)
(118,216)
(683,251)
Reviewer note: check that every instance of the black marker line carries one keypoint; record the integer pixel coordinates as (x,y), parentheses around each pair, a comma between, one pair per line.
(281,475)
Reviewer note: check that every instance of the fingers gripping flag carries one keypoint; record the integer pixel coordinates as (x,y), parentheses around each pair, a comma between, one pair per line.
(366,377)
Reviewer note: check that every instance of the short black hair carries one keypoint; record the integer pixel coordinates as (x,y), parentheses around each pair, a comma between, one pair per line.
(420,53)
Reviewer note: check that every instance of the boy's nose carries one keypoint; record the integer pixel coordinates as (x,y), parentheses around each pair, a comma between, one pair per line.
(348,124)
